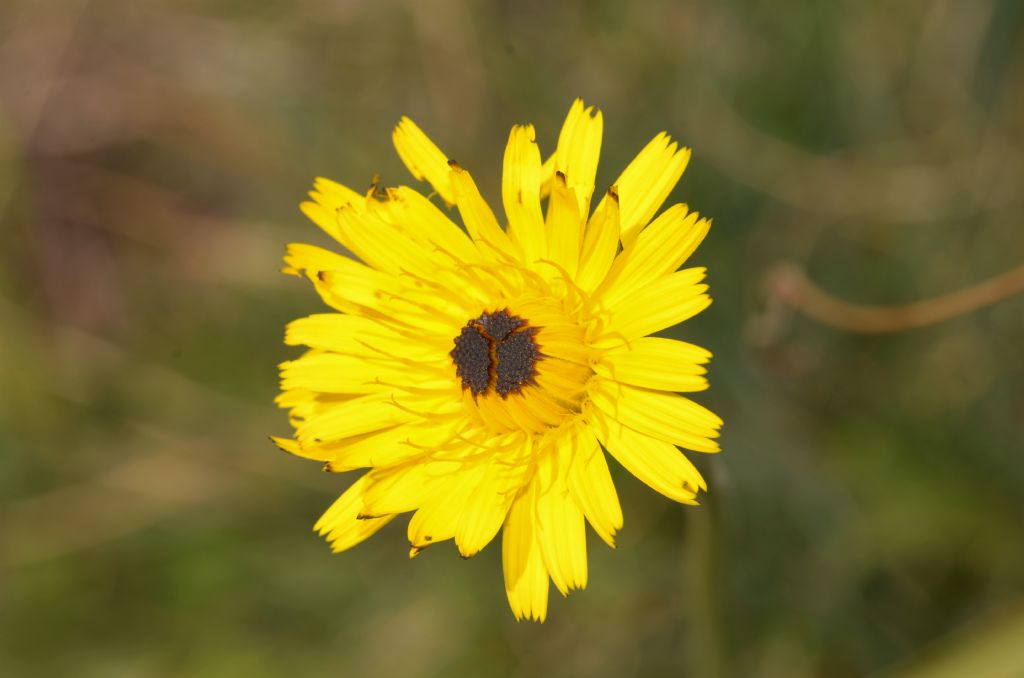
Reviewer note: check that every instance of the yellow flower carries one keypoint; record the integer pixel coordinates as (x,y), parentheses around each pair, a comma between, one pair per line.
(481,378)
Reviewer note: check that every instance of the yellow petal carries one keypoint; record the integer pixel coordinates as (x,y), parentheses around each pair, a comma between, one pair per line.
(666,416)
(301,405)
(404,487)
(561,530)
(526,579)
(389,247)
(359,336)
(336,373)
(658,250)
(387,447)
(310,259)
(660,465)
(333,195)
(355,288)
(665,302)
(487,508)
(326,219)
(438,518)
(343,283)
(520,193)
(591,486)
(287,445)
(479,219)
(408,206)
(481,522)
(359,415)
(547,173)
(564,226)
(359,451)
(423,158)
(341,525)
(647,181)
(600,242)
(578,151)
(328,197)
(656,363)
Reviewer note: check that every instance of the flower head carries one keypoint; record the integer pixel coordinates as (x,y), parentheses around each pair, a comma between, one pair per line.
(480,375)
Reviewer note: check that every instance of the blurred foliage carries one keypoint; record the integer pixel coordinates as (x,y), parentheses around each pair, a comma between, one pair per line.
(866,513)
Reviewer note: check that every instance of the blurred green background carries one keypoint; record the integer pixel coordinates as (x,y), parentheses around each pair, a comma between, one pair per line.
(867,514)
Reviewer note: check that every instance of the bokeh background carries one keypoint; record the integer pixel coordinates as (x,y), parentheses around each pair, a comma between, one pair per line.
(867,514)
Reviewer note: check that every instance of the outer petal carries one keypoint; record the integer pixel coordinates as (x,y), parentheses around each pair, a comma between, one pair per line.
(380,449)
(564,226)
(328,197)
(301,405)
(362,285)
(426,314)
(404,487)
(578,151)
(647,181)
(656,363)
(384,246)
(334,373)
(438,518)
(358,451)
(423,158)
(599,243)
(373,412)
(363,414)
(665,416)
(659,249)
(407,206)
(333,195)
(341,525)
(665,302)
(561,529)
(526,579)
(479,219)
(659,464)
(520,193)
(302,258)
(591,484)
(489,504)
(359,336)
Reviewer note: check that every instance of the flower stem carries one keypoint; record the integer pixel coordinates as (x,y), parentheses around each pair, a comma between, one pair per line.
(703,585)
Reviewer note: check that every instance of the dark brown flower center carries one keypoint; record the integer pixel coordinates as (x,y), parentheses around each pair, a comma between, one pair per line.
(496,351)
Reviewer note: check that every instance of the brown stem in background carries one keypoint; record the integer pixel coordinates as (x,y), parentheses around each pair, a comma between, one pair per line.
(788,287)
